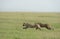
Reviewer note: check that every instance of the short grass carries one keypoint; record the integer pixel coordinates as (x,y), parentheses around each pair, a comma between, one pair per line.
(11,25)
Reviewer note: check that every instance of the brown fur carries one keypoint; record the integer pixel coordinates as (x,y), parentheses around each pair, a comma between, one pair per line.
(27,25)
(45,25)
(37,26)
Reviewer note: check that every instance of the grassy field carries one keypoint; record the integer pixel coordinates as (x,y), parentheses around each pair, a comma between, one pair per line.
(11,25)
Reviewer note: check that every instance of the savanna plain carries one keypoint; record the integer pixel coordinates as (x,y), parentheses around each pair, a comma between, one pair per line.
(11,25)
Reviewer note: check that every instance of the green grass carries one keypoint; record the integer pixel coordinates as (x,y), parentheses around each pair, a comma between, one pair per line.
(11,25)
